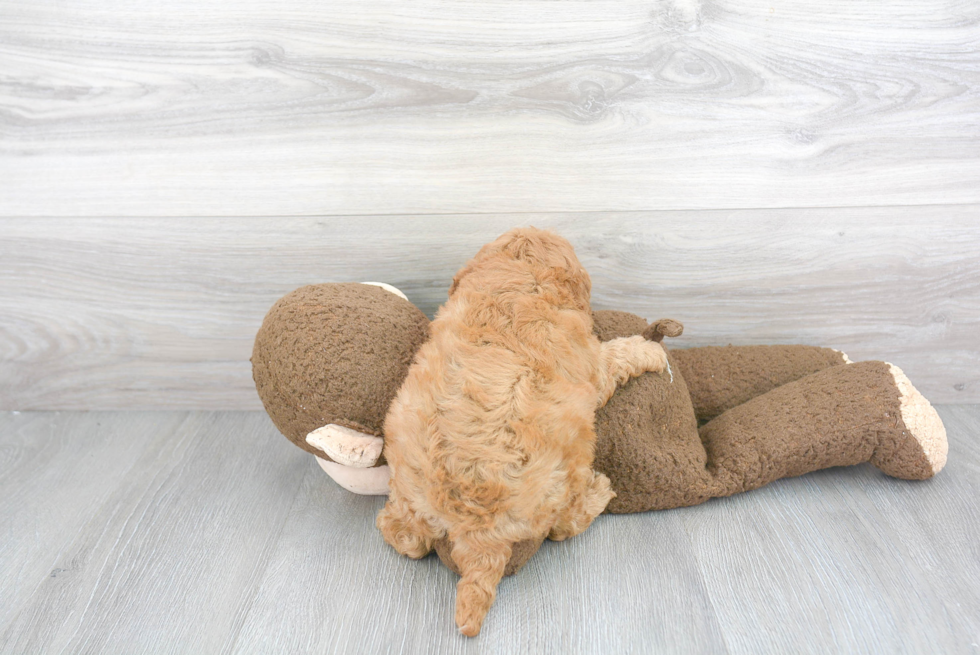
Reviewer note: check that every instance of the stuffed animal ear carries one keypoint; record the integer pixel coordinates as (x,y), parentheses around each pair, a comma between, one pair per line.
(665,327)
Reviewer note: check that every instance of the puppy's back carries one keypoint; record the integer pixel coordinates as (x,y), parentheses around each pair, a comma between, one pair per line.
(498,408)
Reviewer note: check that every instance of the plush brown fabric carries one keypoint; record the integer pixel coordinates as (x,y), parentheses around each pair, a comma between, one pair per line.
(338,353)
(720,378)
(609,324)
(647,444)
(853,416)
(656,458)
(334,353)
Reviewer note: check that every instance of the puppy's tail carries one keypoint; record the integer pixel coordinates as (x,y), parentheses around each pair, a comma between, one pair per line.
(481,560)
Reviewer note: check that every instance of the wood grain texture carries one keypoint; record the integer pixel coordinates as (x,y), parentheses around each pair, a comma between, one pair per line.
(209,532)
(367,598)
(167,560)
(851,560)
(306,108)
(161,313)
(56,471)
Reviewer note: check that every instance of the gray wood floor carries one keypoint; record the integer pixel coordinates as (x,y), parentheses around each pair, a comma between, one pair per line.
(153,532)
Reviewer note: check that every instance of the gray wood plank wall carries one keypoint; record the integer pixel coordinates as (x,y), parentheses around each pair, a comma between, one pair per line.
(206,107)
(157,313)
(764,173)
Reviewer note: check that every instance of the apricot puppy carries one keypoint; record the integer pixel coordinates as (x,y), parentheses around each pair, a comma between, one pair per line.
(490,439)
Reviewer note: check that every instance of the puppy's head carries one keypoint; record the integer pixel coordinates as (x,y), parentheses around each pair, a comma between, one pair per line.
(548,256)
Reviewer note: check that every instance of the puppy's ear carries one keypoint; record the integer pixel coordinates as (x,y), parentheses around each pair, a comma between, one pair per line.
(665,327)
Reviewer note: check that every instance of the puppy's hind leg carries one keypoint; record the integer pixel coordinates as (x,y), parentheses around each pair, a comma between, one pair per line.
(624,358)
(481,559)
(585,505)
(406,531)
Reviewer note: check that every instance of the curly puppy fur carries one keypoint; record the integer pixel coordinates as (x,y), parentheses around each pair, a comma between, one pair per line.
(490,439)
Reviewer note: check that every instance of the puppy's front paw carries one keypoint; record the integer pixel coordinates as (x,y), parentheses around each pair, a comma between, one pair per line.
(653,357)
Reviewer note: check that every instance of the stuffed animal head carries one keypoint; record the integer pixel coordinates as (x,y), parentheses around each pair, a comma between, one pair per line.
(327,362)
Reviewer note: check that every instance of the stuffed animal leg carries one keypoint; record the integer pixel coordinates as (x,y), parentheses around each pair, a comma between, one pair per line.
(838,416)
(720,378)
(843,415)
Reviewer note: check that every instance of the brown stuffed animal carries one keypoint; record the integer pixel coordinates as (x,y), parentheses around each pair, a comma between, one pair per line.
(329,359)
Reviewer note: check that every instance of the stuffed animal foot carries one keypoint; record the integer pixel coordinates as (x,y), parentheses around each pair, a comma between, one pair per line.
(915,448)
